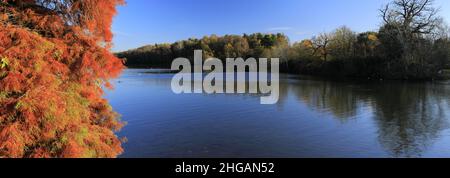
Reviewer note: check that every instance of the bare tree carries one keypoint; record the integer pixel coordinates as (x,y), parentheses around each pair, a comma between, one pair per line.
(320,44)
(411,22)
(341,45)
(412,16)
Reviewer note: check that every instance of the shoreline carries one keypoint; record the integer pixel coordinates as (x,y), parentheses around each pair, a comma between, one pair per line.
(445,77)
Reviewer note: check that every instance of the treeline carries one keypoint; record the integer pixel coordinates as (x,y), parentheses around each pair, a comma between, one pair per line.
(413,43)
(373,55)
(161,55)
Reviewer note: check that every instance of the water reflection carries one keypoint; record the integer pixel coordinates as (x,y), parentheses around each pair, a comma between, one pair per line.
(409,116)
(372,119)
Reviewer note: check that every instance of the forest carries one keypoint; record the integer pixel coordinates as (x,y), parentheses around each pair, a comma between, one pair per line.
(411,44)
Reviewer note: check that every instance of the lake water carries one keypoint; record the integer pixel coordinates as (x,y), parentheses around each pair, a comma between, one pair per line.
(314,118)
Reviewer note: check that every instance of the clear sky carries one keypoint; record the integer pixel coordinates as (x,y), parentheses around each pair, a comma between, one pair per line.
(143,22)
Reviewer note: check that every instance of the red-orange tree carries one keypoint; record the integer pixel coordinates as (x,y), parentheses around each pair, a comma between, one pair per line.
(54,61)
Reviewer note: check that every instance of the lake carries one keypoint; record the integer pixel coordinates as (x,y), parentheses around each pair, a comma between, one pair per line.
(313,118)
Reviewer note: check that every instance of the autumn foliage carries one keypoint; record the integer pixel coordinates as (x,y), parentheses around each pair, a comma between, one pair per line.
(55,61)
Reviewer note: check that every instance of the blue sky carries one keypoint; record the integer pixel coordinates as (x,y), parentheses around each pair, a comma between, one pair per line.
(142,22)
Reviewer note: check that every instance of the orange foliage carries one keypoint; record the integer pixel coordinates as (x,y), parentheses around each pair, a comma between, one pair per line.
(54,60)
